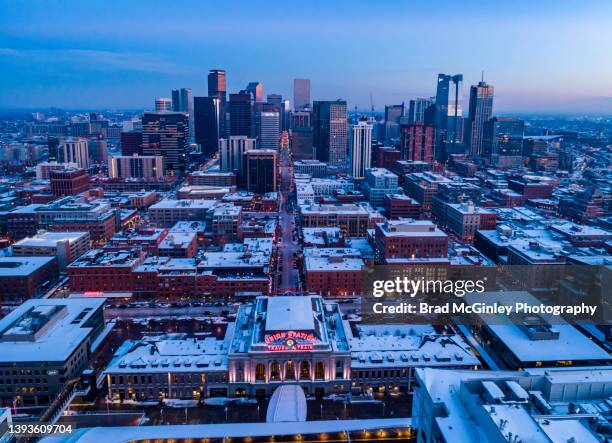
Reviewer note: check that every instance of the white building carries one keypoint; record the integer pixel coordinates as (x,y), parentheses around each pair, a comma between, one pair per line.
(547,405)
(269,130)
(136,166)
(231,152)
(360,148)
(66,246)
(76,151)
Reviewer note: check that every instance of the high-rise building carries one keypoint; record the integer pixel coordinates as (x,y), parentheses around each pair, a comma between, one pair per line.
(207,123)
(97,148)
(75,151)
(417,142)
(480,111)
(449,114)
(216,84)
(268,124)
(393,114)
(131,142)
(360,148)
(182,101)
(301,136)
(163,104)
(240,114)
(231,152)
(260,170)
(416,109)
(146,166)
(256,91)
(54,151)
(284,110)
(330,131)
(301,94)
(503,136)
(166,134)
(217,89)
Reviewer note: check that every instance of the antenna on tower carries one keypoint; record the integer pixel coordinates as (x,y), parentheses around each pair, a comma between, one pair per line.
(371,102)
(482,76)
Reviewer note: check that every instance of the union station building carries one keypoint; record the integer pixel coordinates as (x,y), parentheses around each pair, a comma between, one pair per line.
(301,340)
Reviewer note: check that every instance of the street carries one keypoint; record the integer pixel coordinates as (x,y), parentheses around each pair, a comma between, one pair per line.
(287,246)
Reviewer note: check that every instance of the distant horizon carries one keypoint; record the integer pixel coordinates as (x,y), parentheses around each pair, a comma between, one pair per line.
(541,57)
(42,109)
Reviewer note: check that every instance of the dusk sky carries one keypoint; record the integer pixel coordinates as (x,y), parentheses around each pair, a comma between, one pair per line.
(541,55)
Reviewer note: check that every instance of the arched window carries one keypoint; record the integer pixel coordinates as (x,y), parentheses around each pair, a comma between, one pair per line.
(290,370)
(319,371)
(275,371)
(260,372)
(304,370)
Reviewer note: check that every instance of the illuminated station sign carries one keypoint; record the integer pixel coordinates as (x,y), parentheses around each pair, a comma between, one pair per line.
(290,341)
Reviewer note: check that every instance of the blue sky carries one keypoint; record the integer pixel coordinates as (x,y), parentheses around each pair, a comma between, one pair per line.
(540,55)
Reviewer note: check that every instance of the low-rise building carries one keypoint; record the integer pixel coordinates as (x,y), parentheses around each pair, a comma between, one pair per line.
(66,246)
(333,272)
(464,219)
(22,278)
(535,405)
(105,271)
(179,245)
(384,357)
(44,344)
(410,242)
(352,219)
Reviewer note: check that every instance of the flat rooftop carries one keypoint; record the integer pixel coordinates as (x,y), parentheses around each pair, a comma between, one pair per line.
(289,313)
(22,266)
(50,239)
(63,335)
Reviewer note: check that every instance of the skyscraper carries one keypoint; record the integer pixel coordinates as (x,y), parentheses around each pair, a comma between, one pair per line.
(268,129)
(163,104)
(393,113)
(260,170)
(416,109)
(417,142)
(231,152)
(301,94)
(217,89)
(166,134)
(283,109)
(360,148)
(131,142)
(448,114)
(256,91)
(301,136)
(330,131)
(182,101)
(216,84)
(240,113)
(207,123)
(480,111)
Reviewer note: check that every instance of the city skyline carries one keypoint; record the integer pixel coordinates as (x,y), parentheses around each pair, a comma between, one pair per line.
(91,57)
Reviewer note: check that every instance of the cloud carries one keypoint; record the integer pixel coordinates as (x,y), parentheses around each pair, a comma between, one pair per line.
(101,60)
